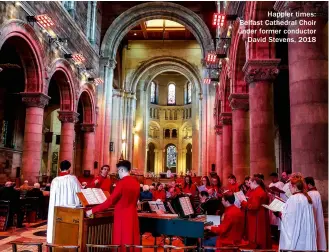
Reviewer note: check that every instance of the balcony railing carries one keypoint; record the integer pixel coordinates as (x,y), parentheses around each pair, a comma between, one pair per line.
(170,113)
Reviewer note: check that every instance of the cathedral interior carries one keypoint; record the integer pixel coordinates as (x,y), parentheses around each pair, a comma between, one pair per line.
(92,82)
(182,86)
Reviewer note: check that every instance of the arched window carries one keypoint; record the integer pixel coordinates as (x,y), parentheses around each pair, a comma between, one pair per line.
(171,156)
(153,92)
(189,92)
(172,94)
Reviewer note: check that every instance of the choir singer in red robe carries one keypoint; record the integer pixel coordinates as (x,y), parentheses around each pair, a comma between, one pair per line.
(258,221)
(102,181)
(230,230)
(124,199)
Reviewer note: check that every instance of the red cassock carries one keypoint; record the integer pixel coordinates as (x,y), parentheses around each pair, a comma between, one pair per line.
(258,221)
(103,183)
(230,230)
(191,190)
(159,195)
(233,188)
(126,224)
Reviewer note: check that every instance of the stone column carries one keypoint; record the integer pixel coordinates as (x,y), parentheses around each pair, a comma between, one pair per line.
(108,82)
(200,137)
(259,74)
(308,86)
(130,124)
(68,119)
(32,147)
(219,151)
(156,166)
(104,100)
(240,127)
(88,156)
(116,129)
(226,120)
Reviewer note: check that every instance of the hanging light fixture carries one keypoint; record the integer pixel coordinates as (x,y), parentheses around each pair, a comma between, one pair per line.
(211,57)
(78,58)
(207,81)
(43,20)
(99,81)
(218,20)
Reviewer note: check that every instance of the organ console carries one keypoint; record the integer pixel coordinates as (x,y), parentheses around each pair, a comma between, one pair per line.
(71,227)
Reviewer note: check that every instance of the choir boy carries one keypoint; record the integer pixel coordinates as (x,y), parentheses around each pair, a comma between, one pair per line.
(318,213)
(102,181)
(124,199)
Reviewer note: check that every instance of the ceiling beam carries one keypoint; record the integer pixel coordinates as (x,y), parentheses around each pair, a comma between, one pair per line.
(143,26)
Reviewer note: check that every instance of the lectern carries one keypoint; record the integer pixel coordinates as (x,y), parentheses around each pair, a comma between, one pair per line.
(72,228)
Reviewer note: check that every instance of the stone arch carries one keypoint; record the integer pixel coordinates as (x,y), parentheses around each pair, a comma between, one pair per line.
(257,10)
(238,60)
(224,89)
(151,68)
(30,50)
(88,106)
(62,71)
(155,10)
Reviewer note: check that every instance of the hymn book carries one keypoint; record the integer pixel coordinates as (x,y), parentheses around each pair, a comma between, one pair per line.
(240,196)
(276,205)
(92,196)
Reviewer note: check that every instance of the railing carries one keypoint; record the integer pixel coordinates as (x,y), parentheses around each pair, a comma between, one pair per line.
(159,112)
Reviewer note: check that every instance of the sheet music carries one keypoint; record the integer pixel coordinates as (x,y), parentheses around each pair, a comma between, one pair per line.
(215,219)
(202,188)
(275,206)
(240,196)
(90,196)
(156,206)
(186,205)
(99,194)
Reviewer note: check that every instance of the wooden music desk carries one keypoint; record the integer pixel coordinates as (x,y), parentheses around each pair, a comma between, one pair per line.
(72,228)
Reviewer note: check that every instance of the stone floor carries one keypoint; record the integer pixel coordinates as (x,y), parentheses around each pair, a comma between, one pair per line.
(37,231)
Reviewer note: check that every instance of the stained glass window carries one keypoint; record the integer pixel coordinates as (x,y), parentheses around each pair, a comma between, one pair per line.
(189,92)
(171,94)
(171,156)
(152,92)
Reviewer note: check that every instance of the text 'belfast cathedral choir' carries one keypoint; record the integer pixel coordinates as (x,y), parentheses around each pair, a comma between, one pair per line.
(162,126)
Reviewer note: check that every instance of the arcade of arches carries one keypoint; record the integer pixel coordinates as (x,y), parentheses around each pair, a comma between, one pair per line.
(267,112)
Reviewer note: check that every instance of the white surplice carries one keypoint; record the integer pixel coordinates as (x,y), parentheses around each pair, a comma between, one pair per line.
(62,193)
(298,230)
(273,219)
(319,220)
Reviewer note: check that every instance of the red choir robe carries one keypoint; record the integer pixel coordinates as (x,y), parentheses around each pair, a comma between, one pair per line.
(159,195)
(191,190)
(126,224)
(230,230)
(258,221)
(233,188)
(103,183)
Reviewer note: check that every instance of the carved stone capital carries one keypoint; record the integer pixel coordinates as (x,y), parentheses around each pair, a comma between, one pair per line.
(117,93)
(88,127)
(218,129)
(239,101)
(39,100)
(68,116)
(226,118)
(261,70)
(106,61)
(320,9)
(111,63)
